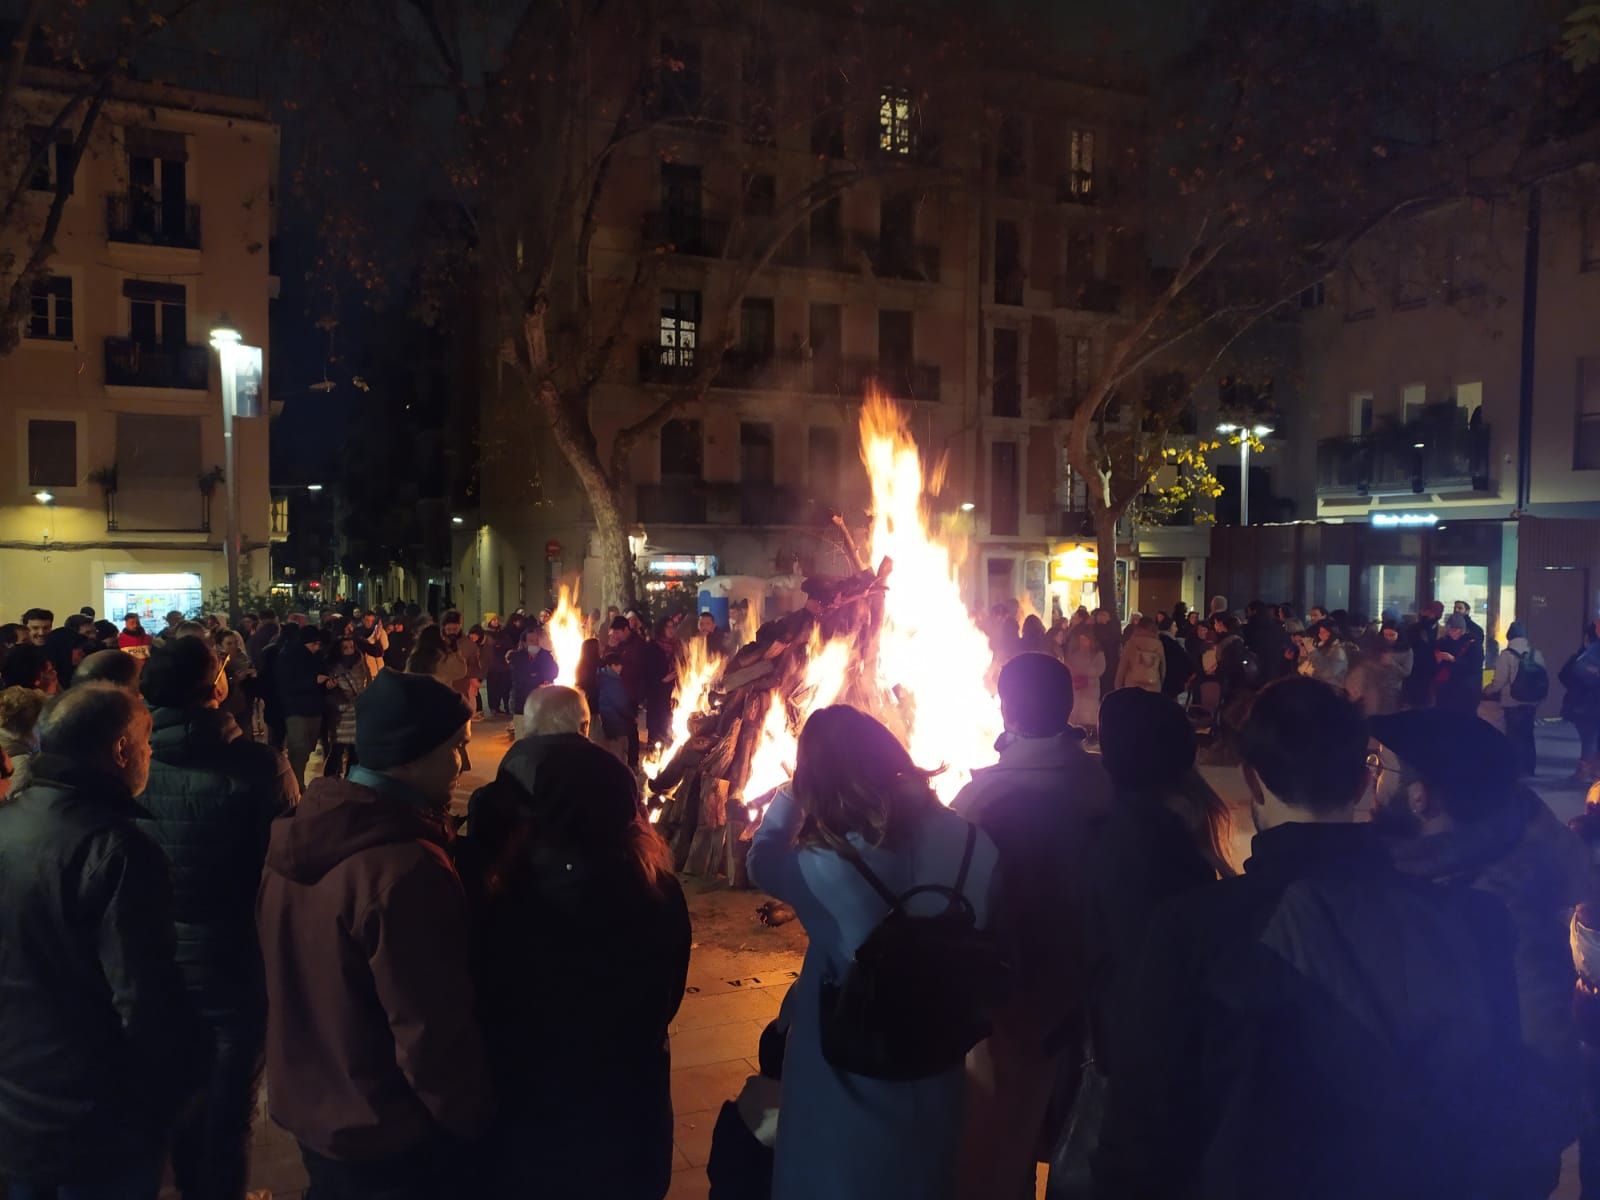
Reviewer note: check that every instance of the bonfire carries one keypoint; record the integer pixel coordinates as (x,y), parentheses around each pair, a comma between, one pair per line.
(894,639)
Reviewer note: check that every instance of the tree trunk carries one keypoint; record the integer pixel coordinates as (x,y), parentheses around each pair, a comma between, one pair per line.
(1105,534)
(616,557)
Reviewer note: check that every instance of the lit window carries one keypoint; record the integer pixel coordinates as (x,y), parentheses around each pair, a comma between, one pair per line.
(680,324)
(1080,164)
(895,116)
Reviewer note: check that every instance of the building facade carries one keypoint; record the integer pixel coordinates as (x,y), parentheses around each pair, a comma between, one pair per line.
(977,300)
(114,495)
(1452,377)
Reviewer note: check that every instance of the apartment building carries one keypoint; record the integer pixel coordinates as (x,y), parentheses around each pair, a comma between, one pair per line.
(1452,380)
(114,496)
(977,300)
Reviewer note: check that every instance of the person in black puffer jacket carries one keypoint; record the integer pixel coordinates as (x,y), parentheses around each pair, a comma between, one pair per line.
(212,795)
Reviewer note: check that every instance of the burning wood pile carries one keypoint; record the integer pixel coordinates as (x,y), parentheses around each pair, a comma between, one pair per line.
(896,641)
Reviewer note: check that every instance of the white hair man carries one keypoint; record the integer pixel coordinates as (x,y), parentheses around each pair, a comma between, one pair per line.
(555,709)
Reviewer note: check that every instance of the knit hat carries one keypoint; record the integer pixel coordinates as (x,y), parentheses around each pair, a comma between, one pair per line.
(400,718)
(1455,621)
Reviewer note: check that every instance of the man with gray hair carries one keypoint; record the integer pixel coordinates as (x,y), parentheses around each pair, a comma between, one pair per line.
(99,1048)
(555,709)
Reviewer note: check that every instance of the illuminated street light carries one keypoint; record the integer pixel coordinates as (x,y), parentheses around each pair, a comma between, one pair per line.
(1245,433)
(969,506)
(313,487)
(458,520)
(44,497)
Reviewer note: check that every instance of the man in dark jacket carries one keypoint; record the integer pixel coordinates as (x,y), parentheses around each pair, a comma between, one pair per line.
(303,685)
(1459,668)
(98,1044)
(212,796)
(1449,802)
(1039,803)
(1265,636)
(1417,691)
(1321,1026)
(364,931)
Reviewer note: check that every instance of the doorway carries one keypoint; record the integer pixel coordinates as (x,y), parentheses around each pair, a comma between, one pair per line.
(1552,603)
(1160,584)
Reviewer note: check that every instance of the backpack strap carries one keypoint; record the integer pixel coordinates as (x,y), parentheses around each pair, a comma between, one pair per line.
(966,859)
(848,852)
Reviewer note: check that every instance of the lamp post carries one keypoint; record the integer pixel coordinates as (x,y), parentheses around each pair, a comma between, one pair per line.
(1245,432)
(225,340)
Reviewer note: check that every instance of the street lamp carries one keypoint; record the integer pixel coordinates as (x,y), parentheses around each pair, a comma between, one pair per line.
(225,341)
(1245,432)
(45,498)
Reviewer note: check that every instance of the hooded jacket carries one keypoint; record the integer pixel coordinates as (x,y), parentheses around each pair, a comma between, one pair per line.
(372,1049)
(1143,663)
(211,799)
(98,1043)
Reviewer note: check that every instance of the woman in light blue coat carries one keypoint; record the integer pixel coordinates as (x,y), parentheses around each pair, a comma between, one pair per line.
(845,1136)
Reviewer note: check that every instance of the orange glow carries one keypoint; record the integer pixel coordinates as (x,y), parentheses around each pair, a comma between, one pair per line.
(691,695)
(565,635)
(827,672)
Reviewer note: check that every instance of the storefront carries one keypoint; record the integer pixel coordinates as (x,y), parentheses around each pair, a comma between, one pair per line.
(151,596)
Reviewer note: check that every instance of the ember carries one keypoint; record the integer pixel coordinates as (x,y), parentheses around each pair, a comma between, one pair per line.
(888,640)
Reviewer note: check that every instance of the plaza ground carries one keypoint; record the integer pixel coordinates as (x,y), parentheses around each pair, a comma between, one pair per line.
(740,969)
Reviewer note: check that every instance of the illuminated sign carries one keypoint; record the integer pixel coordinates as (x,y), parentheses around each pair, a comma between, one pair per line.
(1077,564)
(1405,520)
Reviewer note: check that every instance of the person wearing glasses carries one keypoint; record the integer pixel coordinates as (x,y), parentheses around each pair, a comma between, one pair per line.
(1451,810)
(212,796)
(1323,1025)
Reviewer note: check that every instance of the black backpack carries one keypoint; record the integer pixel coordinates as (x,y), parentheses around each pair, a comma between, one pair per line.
(1532,681)
(921,991)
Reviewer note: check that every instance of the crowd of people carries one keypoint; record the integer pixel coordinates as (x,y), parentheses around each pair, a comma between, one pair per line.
(1396,995)
(1216,663)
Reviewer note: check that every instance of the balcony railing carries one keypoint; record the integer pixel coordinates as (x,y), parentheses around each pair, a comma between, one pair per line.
(131,217)
(133,364)
(686,233)
(1076,189)
(1425,456)
(895,259)
(1088,295)
(900,381)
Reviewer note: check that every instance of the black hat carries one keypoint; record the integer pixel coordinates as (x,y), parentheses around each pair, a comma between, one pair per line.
(400,718)
(1146,740)
(1468,760)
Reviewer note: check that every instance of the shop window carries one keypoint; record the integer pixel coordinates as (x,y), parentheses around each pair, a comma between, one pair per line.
(1392,587)
(1452,583)
(150,596)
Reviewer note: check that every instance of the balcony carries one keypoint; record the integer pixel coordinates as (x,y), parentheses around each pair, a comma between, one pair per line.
(1076,189)
(893,258)
(1088,295)
(149,221)
(133,364)
(829,251)
(906,382)
(1069,523)
(685,233)
(1431,455)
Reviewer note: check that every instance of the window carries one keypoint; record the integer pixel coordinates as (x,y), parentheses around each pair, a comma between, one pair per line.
(680,325)
(1072,494)
(150,596)
(1080,166)
(1360,414)
(756,329)
(52,454)
(760,86)
(1011,155)
(679,79)
(156,449)
(1586,443)
(827,124)
(680,205)
(755,453)
(1008,278)
(896,121)
(1080,257)
(824,335)
(1007,378)
(1004,495)
(51,316)
(682,455)
(157,187)
(1413,399)
(894,338)
(53,155)
(1080,362)
(827,232)
(158,313)
(822,461)
(1469,399)
(760,195)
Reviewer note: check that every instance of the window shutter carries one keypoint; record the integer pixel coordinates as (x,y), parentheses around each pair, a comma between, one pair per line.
(1042,456)
(1046,251)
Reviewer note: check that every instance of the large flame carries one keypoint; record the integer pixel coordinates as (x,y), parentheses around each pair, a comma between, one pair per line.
(930,653)
(566,636)
(697,671)
(827,672)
